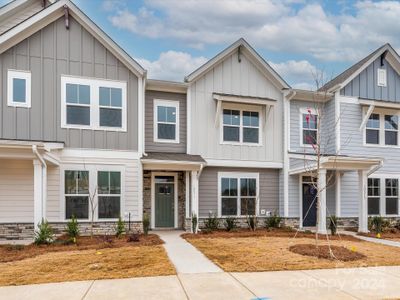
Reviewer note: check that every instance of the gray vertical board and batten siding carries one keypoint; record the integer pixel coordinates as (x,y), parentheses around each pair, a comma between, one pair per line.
(208,188)
(365,84)
(150,144)
(48,54)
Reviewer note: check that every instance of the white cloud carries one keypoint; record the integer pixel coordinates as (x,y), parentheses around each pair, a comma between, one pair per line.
(172,65)
(268,24)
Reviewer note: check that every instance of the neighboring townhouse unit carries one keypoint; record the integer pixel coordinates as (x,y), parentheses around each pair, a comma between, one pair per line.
(84,133)
(360,143)
(70,120)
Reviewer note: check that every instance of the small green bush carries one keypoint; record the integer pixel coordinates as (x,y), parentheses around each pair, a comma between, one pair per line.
(273,221)
(120,230)
(146,223)
(252,222)
(230,223)
(194,223)
(212,222)
(378,224)
(333,224)
(73,229)
(44,234)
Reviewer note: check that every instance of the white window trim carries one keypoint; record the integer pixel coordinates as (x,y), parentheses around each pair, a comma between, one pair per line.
(17,74)
(166,103)
(382,196)
(382,112)
(92,169)
(238,176)
(241,109)
(94,84)
(305,111)
(381,73)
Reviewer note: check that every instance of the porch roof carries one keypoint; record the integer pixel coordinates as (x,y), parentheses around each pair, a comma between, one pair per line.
(172,161)
(339,163)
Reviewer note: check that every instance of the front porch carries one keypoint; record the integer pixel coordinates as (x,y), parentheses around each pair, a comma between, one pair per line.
(170,188)
(325,184)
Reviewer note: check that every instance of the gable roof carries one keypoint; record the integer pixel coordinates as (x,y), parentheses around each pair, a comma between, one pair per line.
(345,77)
(258,60)
(54,11)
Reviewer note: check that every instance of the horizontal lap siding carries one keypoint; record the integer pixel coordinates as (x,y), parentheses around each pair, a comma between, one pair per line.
(132,196)
(152,146)
(48,54)
(53,193)
(208,188)
(294,197)
(16,191)
(350,196)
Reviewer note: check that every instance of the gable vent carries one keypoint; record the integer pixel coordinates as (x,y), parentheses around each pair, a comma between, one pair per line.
(382,77)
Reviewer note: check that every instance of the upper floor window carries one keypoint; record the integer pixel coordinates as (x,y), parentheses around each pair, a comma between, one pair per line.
(238,194)
(166,121)
(382,78)
(241,126)
(309,127)
(382,129)
(19,88)
(93,104)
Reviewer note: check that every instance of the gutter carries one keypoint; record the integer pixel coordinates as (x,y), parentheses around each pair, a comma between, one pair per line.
(39,156)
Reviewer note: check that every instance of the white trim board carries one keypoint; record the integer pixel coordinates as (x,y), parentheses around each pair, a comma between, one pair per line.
(166,103)
(18,74)
(243,163)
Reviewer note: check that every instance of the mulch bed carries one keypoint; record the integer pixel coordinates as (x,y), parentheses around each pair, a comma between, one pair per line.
(322,251)
(388,234)
(262,232)
(10,253)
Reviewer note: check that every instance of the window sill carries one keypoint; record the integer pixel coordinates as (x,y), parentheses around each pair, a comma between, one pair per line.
(166,141)
(381,146)
(241,144)
(86,127)
(20,105)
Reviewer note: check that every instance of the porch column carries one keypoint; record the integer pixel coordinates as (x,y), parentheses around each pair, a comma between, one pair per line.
(363,202)
(338,187)
(39,192)
(195,194)
(321,226)
(187,195)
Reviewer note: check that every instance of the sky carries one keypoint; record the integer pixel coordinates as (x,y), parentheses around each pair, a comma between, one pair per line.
(302,40)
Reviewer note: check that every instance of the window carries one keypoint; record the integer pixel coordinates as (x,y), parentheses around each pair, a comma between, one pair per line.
(93,104)
(310,128)
(109,190)
(166,125)
(76,194)
(391,129)
(19,88)
(238,194)
(110,107)
(391,193)
(372,129)
(374,196)
(382,129)
(241,126)
(381,77)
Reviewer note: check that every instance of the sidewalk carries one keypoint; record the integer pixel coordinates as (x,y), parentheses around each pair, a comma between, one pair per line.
(357,283)
(186,258)
(372,240)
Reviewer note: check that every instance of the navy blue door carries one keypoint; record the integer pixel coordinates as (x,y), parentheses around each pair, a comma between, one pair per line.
(309,205)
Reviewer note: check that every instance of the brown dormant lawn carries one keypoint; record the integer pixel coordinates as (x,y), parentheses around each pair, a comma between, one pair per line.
(90,260)
(241,252)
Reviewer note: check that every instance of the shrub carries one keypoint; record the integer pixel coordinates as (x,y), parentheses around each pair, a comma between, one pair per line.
(333,224)
(44,234)
(377,224)
(120,230)
(273,221)
(133,237)
(397,225)
(230,223)
(212,222)
(194,223)
(146,223)
(73,229)
(252,222)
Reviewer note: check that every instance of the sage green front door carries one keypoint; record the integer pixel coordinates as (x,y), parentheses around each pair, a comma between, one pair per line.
(164,201)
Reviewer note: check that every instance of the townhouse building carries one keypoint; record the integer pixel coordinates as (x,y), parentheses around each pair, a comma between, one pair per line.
(83,132)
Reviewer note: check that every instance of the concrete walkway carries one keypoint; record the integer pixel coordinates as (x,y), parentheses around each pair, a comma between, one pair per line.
(186,258)
(372,240)
(357,283)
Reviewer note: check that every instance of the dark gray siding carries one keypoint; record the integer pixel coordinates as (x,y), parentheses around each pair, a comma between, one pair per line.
(365,84)
(48,54)
(152,146)
(208,188)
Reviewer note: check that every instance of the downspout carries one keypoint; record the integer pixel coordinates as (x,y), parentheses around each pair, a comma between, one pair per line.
(44,179)
(373,169)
